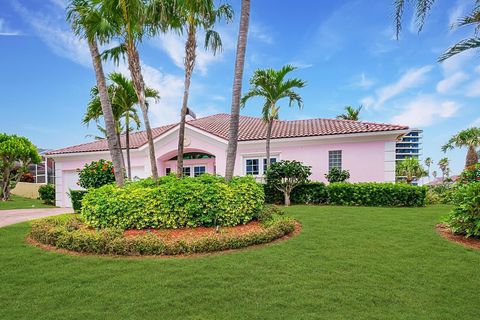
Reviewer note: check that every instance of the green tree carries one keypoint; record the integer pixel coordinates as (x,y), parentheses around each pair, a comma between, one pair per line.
(469,138)
(443,164)
(194,15)
(410,169)
(285,175)
(237,90)
(422,8)
(16,153)
(123,99)
(88,23)
(428,162)
(351,113)
(271,85)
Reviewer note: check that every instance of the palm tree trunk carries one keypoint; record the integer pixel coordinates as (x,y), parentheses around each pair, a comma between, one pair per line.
(189,62)
(138,83)
(472,157)
(127,145)
(121,151)
(112,139)
(237,90)
(269,135)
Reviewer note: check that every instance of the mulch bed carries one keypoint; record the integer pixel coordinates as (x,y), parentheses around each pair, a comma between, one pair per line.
(445,232)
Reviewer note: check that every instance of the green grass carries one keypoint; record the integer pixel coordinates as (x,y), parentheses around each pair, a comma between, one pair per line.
(17,202)
(347,263)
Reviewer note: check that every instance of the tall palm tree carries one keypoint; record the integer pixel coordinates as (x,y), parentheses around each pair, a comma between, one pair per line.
(428,162)
(469,138)
(88,23)
(124,99)
(195,14)
(422,7)
(351,113)
(237,90)
(411,169)
(434,174)
(443,165)
(272,86)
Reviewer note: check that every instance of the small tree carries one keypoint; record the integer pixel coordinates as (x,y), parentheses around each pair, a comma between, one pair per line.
(411,169)
(337,175)
(96,174)
(286,175)
(16,153)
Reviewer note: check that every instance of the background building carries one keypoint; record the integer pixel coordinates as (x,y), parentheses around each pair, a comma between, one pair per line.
(409,145)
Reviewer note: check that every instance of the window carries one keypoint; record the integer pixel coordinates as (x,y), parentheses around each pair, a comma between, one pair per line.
(335,159)
(167,171)
(272,160)
(252,166)
(186,171)
(198,170)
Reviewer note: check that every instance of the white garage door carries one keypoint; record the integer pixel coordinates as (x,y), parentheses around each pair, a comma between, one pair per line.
(70,179)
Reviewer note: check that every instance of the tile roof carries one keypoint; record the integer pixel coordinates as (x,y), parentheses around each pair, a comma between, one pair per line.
(250,128)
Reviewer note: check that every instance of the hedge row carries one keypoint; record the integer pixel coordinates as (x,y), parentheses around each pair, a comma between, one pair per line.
(353,194)
(71,234)
(174,203)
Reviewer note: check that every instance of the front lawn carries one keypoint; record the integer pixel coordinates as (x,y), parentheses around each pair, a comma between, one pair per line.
(347,263)
(17,202)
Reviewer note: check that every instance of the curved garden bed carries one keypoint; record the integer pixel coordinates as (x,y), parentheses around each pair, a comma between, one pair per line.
(74,235)
(447,233)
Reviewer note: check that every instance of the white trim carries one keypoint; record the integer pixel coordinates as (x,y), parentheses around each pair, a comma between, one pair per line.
(260,157)
(389,161)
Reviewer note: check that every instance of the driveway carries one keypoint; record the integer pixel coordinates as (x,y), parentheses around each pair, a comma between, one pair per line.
(8,217)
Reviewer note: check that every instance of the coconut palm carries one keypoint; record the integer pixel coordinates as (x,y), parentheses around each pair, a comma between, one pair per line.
(443,165)
(194,15)
(434,174)
(237,89)
(351,113)
(469,138)
(124,100)
(422,7)
(272,86)
(88,23)
(411,169)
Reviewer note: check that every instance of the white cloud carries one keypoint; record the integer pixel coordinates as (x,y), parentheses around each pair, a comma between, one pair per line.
(473,89)
(259,32)
(362,81)
(408,80)
(367,102)
(425,110)
(475,123)
(449,83)
(5,31)
(455,13)
(300,64)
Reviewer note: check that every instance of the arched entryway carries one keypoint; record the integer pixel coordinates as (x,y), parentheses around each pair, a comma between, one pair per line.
(195,163)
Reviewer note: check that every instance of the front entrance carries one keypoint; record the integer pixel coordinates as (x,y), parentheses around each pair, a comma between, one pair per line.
(194,164)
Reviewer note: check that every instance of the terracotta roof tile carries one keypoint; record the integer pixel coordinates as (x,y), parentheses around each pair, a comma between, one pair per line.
(250,128)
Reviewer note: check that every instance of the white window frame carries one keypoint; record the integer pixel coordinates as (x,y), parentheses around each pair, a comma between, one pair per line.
(261,158)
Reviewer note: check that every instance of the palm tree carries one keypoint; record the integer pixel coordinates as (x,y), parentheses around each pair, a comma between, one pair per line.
(428,163)
(124,99)
(350,114)
(411,169)
(443,165)
(271,85)
(88,23)
(469,138)
(422,7)
(237,89)
(195,14)
(434,174)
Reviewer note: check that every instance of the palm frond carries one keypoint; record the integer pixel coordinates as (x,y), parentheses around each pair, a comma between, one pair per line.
(115,54)
(213,41)
(399,8)
(460,47)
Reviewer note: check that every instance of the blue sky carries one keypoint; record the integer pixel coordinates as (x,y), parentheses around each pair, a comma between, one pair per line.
(345,50)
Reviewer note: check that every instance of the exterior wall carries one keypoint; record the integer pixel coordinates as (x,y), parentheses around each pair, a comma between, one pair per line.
(27,190)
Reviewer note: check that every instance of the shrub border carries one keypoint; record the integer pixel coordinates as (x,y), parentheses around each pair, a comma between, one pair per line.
(281,229)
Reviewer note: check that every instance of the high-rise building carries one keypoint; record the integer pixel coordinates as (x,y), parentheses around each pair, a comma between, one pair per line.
(409,145)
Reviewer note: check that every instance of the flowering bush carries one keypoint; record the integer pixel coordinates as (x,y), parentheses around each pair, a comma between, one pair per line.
(96,174)
(471,174)
(27,177)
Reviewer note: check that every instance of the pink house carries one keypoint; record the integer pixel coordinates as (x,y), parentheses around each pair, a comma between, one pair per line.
(366,149)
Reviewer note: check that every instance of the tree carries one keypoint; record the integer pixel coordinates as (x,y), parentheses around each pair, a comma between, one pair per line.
(337,175)
(434,174)
(469,138)
(271,85)
(195,14)
(443,165)
(350,114)
(285,175)
(428,162)
(16,153)
(411,169)
(88,23)
(237,90)
(123,99)
(422,7)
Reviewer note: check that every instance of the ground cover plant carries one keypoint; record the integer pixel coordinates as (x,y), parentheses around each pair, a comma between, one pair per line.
(347,263)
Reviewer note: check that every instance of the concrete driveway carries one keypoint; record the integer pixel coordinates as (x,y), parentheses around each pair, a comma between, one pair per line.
(8,217)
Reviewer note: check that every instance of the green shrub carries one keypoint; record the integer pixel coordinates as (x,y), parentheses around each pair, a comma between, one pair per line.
(337,175)
(286,175)
(376,194)
(267,213)
(470,174)
(96,174)
(76,197)
(173,203)
(441,194)
(72,234)
(465,217)
(47,193)
(310,193)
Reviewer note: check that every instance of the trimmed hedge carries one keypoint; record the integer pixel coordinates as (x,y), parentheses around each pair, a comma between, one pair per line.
(174,203)
(76,197)
(71,234)
(353,194)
